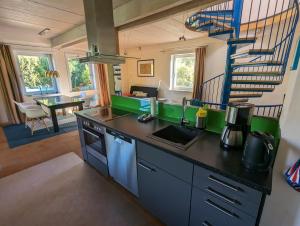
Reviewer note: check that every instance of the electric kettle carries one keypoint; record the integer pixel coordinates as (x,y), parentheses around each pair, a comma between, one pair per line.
(259,151)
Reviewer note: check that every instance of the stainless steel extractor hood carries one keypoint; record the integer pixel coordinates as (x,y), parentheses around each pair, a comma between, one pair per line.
(101,33)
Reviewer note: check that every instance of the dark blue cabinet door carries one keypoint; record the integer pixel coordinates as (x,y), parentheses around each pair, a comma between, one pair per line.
(165,196)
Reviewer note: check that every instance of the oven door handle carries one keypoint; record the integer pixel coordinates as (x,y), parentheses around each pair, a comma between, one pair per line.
(90,133)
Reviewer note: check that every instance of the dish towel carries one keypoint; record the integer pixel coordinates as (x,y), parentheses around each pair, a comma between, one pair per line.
(292,176)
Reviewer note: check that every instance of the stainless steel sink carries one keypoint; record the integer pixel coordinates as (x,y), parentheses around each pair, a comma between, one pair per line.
(181,137)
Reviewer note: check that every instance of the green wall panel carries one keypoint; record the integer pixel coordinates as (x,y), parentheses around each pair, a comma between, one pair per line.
(173,112)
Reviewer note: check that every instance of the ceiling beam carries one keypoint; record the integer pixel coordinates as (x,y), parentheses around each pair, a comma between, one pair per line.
(165,13)
(135,13)
(71,36)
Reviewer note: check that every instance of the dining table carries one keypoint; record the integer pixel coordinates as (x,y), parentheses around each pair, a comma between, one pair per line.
(54,103)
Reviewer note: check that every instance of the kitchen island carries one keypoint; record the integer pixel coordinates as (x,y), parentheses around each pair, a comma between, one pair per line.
(176,185)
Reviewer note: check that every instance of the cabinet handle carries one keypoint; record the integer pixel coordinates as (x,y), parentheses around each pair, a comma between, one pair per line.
(90,133)
(205,223)
(220,195)
(218,181)
(221,209)
(146,167)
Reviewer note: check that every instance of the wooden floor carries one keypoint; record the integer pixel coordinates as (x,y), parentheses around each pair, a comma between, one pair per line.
(16,159)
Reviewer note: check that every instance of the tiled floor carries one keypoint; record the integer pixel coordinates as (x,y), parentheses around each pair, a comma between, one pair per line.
(14,160)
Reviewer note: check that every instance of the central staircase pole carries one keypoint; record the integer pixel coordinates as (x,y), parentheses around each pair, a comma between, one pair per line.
(236,23)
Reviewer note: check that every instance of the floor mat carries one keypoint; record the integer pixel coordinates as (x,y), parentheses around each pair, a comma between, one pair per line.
(17,135)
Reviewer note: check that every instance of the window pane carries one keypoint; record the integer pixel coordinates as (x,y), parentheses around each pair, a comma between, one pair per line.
(81,76)
(184,71)
(33,70)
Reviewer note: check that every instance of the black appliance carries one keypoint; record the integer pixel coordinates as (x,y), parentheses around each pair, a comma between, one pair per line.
(238,119)
(259,151)
(104,114)
(94,144)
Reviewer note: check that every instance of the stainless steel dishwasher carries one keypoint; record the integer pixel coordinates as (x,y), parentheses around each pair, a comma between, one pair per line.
(121,158)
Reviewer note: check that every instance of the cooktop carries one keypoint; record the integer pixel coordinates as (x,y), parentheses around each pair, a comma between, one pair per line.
(105,113)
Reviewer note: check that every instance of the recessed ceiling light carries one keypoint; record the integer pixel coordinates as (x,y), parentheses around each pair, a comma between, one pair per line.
(44,31)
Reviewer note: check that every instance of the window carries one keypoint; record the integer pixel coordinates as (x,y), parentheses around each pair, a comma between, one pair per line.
(81,74)
(33,69)
(182,72)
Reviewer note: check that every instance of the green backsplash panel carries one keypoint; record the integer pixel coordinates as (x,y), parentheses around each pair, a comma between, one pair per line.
(172,112)
(215,121)
(127,103)
(267,125)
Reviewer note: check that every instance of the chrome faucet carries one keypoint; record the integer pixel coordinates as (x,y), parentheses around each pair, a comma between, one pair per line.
(183,120)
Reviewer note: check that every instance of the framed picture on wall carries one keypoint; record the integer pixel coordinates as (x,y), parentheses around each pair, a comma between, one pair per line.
(145,68)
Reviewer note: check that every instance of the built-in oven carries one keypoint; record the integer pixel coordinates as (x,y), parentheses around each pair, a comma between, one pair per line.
(94,142)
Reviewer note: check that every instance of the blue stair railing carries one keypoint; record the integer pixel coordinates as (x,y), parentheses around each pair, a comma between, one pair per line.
(259,34)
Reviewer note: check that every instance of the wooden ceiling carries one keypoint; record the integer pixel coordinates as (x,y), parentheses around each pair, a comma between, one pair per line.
(35,15)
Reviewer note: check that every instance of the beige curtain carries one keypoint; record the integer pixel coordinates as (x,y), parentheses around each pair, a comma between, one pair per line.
(199,72)
(104,88)
(10,88)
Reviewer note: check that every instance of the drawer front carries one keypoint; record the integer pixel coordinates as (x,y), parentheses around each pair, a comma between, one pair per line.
(172,164)
(207,210)
(96,163)
(204,178)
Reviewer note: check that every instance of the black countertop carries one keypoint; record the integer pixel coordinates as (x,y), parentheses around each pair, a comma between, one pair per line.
(205,152)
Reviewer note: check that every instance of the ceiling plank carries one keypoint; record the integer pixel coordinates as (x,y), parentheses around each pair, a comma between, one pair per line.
(42,11)
(135,13)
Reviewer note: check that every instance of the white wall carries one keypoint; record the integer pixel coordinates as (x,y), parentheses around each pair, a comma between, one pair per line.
(214,64)
(282,208)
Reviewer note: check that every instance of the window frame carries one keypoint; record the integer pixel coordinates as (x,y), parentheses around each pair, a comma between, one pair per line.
(173,86)
(92,70)
(51,67)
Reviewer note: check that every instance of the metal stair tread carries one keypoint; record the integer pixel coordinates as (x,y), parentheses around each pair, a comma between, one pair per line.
(257,63)
(239,100)
(204,18)
(227,18)
(259,82)
(256,73)
(214,23)
(245,95)
(252,53)
(220,31)
(252,89)
(227,12)
(242,41)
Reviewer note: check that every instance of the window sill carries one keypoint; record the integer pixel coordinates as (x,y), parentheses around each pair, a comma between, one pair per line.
(80,91)
(40,95)
(181,90)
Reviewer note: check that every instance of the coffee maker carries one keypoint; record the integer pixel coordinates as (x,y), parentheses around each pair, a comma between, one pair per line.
(237,119)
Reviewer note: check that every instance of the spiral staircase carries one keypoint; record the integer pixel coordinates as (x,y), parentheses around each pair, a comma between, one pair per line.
(259,36)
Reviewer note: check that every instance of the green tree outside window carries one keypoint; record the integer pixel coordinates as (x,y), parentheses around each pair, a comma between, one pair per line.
(184,72)
(33,69)
(81,77)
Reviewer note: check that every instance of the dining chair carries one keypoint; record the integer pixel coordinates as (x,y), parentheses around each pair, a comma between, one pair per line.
(33,114)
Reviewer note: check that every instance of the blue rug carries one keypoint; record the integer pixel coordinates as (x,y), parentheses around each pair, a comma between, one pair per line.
(17,135)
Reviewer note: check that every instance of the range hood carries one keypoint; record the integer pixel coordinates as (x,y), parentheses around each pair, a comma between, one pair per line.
(101,33)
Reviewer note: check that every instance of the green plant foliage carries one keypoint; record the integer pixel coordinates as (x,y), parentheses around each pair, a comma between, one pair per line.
(33,70)
(80,75)
(185,72)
